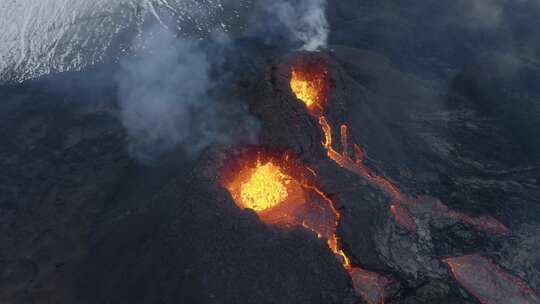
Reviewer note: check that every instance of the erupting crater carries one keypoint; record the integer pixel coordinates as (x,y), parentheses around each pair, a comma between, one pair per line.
(280,191)
(310,84)
(263,187)
(266,183)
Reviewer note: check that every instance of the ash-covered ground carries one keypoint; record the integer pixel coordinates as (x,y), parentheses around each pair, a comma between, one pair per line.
(101,202)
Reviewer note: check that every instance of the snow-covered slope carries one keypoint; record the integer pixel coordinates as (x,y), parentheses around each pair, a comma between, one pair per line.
(39,37)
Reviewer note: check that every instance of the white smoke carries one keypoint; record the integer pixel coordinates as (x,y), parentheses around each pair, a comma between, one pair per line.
(168,98)
(170,95)
(296,22)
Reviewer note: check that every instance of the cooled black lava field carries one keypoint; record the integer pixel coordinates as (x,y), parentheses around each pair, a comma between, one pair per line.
(243,151)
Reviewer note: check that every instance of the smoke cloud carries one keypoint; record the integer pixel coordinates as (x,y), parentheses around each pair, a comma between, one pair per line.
(173,90)
(170,97)
(300,23)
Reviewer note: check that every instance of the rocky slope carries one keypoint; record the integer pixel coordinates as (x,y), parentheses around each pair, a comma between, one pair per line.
(85,223)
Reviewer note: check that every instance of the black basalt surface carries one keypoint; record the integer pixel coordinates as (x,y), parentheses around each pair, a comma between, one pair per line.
(81,221)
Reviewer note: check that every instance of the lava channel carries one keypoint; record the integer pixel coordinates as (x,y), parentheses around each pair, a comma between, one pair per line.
(402,207)
(280,191)
(278,188)
(310,84)
(315,92)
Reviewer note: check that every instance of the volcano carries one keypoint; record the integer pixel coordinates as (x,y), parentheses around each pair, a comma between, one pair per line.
(264,184)
(378,168)
(310,83)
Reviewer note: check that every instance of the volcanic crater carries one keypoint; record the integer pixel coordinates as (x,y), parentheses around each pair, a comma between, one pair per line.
(340,201)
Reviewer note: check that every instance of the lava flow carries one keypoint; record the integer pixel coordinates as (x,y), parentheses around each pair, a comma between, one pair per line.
(401,214)
(315,92)
(310,84)
(266,183)
(275,186)
(402,206)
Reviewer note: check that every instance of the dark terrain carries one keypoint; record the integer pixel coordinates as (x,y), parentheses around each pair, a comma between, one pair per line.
(83,222)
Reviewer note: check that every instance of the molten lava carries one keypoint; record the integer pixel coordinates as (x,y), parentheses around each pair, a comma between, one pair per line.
(310,84)
(264,182)
(266,187)
(401,206)
(277,189)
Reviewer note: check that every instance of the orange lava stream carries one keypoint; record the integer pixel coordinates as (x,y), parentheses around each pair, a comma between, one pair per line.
(310,85)
(365,283)
(332,241)
(400,205)
(309,82)
(276,188)
(356,165)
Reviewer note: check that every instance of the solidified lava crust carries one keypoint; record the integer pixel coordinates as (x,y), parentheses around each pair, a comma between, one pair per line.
(489,283)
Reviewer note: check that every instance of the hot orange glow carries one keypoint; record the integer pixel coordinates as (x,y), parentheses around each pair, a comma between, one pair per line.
(334,246)
(309,82)
(277,189)
(330,235)
(355,165)
(265,184)
(310,85)
(265,188)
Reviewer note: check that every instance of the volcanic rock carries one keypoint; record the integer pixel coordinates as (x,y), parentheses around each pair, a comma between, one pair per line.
(83,222)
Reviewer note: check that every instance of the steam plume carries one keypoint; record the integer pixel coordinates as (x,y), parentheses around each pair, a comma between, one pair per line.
(169,93)
(294,22)
(168,98)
